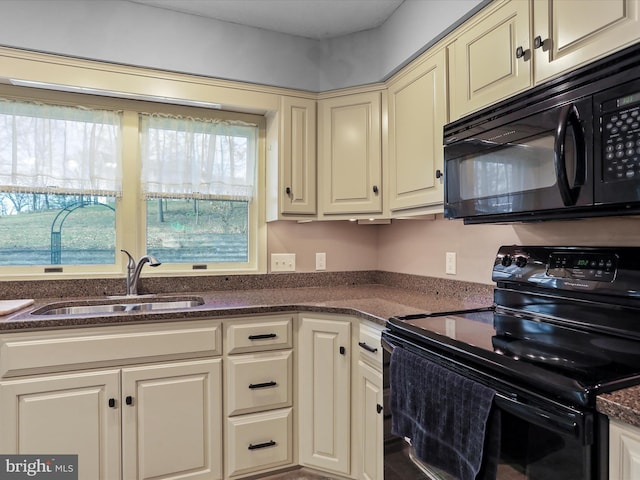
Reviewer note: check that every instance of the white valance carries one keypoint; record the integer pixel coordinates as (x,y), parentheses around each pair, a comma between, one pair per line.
(51,148)
(205,158)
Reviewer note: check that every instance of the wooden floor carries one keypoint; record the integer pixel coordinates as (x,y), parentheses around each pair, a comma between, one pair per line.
(300,474)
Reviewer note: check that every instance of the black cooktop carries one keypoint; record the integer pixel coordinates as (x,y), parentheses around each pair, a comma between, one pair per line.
(571,364)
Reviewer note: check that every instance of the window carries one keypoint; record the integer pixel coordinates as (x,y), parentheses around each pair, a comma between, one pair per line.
(60,173)
(80,183)
(198,176)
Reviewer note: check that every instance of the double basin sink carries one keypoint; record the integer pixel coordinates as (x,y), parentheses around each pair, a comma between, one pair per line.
(120,305)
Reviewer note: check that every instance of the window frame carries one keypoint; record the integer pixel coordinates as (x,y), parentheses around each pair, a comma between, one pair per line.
(131,206)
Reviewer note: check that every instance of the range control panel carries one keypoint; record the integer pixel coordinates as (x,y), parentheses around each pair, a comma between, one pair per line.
(610,270)
(582,266)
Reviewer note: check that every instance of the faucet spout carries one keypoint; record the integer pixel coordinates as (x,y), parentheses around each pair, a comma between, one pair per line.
(134,269)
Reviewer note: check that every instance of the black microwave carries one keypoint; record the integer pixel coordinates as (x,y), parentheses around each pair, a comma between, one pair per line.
(569,148)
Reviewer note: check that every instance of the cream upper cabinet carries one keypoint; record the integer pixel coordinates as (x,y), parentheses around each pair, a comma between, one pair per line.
(291,159)
(569,33)
(324,389)
(417,114)
(624,451)
(490,60)
(350,154)
(515,44)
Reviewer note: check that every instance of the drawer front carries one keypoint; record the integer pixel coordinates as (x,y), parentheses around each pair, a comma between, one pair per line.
(29,353)
(369,345)
(255,335)
(259,382)
(259,442)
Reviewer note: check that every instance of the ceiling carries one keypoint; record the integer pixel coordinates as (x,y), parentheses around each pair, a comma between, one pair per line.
(316,19)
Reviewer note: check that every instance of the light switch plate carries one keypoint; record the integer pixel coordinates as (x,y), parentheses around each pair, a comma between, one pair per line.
(283,262)
(321,261)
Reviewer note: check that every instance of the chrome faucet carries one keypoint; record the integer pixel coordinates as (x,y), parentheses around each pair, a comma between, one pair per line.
(133,270)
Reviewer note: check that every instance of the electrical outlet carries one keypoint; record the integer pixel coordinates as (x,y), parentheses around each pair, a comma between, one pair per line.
(283,262)
(450,266)
(321,261)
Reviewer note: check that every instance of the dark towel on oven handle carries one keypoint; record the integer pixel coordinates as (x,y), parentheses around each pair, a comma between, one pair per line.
(448,417)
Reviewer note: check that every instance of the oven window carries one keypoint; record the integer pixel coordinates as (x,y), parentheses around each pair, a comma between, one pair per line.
(530,452)
(510,169)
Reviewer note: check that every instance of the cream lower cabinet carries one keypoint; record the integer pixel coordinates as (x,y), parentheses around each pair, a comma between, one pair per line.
(324,393)
(258,395)
(624,451)
(368,404)
(127,419)
(350,154)
(417,113)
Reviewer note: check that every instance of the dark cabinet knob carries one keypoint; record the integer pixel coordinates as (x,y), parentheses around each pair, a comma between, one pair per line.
(375,189)
(288,190)
(519,52)
(343,350)
(439,174)
(128,400)
(538,42)
(379,408)
(112,402)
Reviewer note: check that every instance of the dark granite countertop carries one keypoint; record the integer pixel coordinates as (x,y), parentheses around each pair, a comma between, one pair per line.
(623,405)
(370,302)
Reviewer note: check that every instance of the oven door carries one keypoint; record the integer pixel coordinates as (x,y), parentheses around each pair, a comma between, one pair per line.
(512,168)
(541,439)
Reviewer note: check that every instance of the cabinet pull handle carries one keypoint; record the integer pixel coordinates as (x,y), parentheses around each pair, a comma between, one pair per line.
(287,190)
(262,336)
(270,443)
(128,400)
(343,350)
(367,347)
(112,402)
(538,42)
(263,385)
(379,408)
(375,189)
(519,52)
(439,173)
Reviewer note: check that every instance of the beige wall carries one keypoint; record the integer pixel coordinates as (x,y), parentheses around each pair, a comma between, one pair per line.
(418,246)
(348,246)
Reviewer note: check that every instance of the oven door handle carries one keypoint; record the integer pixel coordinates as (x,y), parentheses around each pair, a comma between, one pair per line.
(542,418)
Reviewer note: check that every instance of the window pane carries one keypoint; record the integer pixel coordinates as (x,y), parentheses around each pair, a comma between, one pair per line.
(47,229)
(197,230)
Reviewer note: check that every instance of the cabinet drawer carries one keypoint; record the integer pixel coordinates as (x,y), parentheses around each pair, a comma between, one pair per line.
(369,345)
(259,382)
(43,352)
(273,333)
(259,441)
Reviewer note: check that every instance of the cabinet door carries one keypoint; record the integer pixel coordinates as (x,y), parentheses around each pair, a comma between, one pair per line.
(172,416)
(624,450)
(485,67)
(417,113)
(371,426)
(351,154)
(65,414)
(324,390)
(575,32)
(298,155)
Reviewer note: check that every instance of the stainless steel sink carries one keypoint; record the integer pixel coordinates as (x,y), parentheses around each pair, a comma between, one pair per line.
(95,308)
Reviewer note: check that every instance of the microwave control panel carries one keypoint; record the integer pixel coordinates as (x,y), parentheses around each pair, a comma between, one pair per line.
(621,138)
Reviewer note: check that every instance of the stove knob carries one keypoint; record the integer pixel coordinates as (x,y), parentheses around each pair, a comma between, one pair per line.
(521,261)
(506,261)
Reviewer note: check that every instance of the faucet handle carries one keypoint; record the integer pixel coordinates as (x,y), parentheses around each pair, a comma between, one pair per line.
(131,263)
